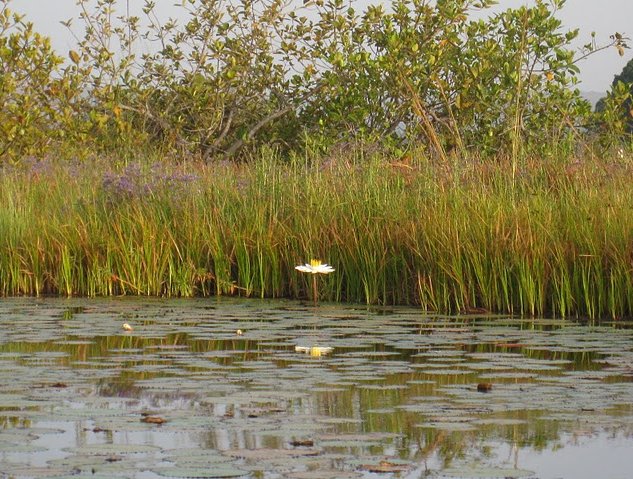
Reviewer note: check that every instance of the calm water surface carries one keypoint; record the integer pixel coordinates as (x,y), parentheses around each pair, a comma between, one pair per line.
(262,389)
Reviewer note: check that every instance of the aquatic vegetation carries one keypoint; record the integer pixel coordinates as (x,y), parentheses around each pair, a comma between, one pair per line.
(395,390)
(315,267)
(468,237)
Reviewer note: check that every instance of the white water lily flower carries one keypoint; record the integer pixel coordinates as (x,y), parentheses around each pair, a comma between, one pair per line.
(315,267)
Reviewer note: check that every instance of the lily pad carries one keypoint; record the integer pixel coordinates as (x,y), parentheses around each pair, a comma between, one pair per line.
(485,472)
(113,449)
(323,474)
(47,472)
(216,472)
(20,448)
(266,454)
(447,426)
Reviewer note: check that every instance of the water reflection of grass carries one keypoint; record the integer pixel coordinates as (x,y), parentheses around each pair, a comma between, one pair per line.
(456,237)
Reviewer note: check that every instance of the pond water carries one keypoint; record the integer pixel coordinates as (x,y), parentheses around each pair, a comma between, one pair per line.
(271,389)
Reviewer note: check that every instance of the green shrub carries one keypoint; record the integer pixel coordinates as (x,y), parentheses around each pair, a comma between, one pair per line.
(237,75)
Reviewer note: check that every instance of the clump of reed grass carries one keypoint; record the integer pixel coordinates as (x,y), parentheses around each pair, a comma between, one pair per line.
(549,238)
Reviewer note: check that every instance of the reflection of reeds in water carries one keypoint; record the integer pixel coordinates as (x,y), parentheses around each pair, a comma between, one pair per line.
(460,236)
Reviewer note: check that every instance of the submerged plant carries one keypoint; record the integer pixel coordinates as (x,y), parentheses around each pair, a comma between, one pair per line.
(315,267)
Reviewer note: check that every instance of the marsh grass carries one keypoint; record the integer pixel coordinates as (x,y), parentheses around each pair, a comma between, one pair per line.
(455,236)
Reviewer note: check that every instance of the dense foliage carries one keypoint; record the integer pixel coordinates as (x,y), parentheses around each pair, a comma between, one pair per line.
(618,104)
(247,73)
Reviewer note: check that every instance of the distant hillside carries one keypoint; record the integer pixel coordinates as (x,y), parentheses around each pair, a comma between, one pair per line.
(593,96)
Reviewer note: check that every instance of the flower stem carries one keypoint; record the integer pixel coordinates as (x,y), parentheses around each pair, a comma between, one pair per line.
(314,289)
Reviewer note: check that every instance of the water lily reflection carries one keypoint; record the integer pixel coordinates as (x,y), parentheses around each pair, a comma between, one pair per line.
(314,351)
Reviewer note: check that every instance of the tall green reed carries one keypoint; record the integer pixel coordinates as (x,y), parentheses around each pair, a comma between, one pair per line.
(460,236)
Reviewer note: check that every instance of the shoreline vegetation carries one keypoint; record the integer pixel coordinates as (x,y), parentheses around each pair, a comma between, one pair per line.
(463,236)
(432,158)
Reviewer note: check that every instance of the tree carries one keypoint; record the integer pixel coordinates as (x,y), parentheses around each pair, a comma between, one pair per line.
(615,111)
(236,74)
(617,107)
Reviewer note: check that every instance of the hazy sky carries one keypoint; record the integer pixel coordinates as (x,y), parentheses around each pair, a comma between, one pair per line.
(605,17)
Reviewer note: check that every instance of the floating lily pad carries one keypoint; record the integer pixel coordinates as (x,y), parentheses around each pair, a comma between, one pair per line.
(381,411)
(216,472)
(84,462)
(8,448)
(339,420)
(356,438)
(447,426)
(266,454)
(88,413)
(47,472)
(194,454)
(113,449)
(383,387)
(88,475)
(446,372)
(500,422)
(323,474)
(361,461)
(17,402)
(485,472)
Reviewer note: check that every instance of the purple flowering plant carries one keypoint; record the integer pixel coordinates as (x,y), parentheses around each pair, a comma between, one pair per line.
(135,182)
